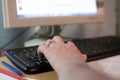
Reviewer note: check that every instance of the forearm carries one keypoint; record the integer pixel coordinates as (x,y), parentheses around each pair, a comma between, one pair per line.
(81,72)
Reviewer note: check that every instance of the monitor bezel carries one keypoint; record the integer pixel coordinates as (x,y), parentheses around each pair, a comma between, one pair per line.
(11,20)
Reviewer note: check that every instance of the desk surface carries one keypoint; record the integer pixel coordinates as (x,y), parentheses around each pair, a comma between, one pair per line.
(41,76)
(110,66)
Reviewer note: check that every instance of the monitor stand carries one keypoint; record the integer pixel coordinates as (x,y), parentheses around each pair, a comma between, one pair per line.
(34,42)
(41,34)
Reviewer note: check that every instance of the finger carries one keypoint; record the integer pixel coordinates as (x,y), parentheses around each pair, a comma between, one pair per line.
(42,49)
(48,42)
(84,57)
(71,44)
(58,40)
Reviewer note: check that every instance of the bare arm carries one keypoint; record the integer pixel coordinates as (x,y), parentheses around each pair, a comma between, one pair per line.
(69,62)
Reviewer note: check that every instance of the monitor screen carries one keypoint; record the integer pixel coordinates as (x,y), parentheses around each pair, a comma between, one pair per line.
(52,8)
(21,13)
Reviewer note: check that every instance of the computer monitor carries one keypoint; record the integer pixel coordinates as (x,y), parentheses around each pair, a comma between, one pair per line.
(24,13)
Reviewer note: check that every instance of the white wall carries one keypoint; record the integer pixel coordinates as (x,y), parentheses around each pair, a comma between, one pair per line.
(96,29)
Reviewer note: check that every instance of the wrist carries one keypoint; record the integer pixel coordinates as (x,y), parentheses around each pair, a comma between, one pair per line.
(70,69)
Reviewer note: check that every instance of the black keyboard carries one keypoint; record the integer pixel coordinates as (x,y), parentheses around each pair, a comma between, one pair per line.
(28,61)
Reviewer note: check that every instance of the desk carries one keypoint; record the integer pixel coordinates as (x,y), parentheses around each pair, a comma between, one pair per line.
(110,66)
(40,76)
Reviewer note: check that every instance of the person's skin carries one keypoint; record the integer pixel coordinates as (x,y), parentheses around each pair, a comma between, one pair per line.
(69,62)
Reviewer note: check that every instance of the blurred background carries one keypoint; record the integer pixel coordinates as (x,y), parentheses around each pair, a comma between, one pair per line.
(17,37)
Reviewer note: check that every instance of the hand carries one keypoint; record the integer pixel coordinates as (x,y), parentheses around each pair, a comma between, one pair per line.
(68,61)
(60,54)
